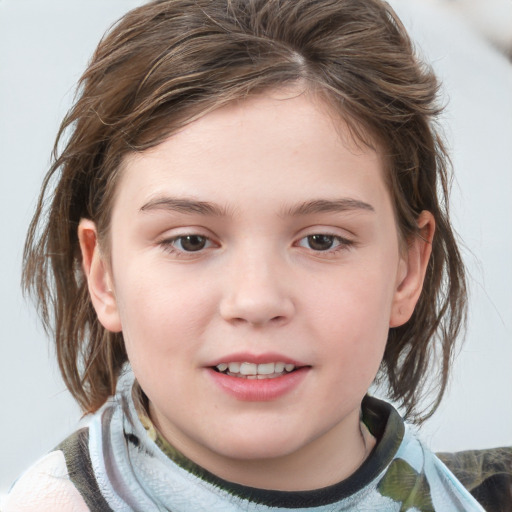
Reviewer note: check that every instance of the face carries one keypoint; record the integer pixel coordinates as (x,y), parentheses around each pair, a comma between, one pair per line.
(254,270)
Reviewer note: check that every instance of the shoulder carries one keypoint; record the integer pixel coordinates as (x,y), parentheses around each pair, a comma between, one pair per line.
(46,487)
(63,480)
(431,483)
(413,475)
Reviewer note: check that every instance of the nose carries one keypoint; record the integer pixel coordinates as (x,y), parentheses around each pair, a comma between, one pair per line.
(256,292)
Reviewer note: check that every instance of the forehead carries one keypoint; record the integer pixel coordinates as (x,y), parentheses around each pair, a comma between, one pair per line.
(282,145)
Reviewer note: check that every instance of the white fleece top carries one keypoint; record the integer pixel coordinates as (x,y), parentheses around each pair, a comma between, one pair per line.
(119,462)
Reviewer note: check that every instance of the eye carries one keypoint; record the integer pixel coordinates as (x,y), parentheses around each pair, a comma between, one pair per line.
(323,242)
(187,243)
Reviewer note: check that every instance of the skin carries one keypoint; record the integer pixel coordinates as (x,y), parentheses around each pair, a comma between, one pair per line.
(261,284)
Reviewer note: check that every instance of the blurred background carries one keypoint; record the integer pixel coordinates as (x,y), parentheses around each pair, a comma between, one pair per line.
(44,47)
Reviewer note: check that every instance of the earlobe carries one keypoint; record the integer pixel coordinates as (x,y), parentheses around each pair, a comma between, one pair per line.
(411,272)
(98,277)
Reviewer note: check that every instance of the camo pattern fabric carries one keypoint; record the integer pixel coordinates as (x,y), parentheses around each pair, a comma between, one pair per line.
(119,462)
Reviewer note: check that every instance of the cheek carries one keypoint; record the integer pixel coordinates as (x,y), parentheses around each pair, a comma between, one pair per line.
(363,294)
(160,313)
(353,317)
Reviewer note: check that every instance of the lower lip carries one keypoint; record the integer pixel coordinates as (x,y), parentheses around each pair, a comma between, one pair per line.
(259,390)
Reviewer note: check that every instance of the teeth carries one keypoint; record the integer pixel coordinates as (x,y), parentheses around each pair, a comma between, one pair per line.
(266,369)
(253,371)
(234,367)
(279,367)
(248,369)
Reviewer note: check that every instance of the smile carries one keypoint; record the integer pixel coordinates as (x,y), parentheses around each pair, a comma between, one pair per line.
(255,371)
(258,382)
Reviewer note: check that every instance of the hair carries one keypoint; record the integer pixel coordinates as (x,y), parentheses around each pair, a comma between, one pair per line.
(171,61)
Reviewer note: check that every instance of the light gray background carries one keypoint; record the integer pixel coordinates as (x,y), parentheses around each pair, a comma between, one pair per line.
(44,47)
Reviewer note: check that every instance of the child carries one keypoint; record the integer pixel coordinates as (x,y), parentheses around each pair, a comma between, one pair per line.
(248,227)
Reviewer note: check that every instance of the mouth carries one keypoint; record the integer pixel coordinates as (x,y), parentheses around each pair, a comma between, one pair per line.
(257,377)
(245,370)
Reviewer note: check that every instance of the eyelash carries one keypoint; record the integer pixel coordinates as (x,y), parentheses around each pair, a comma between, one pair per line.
(343,243)
(170,244)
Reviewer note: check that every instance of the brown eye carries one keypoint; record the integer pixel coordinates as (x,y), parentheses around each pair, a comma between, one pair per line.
(191,243)
(320,242)
(324,242)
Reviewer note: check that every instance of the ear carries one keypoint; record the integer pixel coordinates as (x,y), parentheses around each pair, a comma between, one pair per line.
(412,269)
(98,277)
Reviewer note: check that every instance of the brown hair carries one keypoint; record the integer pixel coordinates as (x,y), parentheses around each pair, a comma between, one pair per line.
(171,61)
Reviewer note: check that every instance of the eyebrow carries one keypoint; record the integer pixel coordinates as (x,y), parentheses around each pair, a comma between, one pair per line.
(328,206)
(189,206)
(192,206)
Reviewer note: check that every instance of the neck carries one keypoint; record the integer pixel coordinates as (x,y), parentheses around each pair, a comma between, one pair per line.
(329,459)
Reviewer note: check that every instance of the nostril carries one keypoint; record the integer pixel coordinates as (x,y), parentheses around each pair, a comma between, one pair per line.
(260,320)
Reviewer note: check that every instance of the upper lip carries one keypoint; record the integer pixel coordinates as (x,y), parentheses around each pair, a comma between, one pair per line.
(245,357)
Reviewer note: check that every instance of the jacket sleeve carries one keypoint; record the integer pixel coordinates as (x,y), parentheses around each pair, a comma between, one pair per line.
(45,487)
